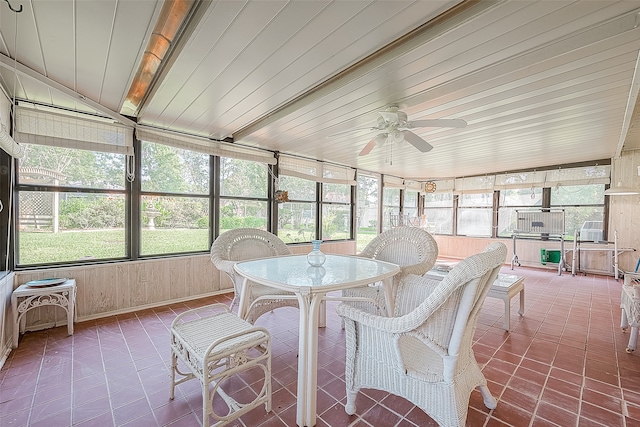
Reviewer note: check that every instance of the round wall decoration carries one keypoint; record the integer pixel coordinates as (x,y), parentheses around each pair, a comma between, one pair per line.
(429,187)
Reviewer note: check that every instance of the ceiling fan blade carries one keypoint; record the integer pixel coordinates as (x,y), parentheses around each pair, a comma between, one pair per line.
(367,148)
(437,123)
(416,141)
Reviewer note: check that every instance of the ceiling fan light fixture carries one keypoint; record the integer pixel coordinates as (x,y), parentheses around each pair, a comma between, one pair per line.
(393,127)
(380,139)
(397,136)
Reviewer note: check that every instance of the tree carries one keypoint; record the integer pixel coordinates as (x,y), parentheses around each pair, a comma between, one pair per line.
(162,169)
(196,171)
(243,178)
(80,168)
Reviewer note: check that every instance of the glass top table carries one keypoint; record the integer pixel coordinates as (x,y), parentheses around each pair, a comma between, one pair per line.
(310,285)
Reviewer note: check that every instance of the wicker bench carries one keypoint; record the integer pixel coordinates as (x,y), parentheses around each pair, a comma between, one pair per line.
(212,344)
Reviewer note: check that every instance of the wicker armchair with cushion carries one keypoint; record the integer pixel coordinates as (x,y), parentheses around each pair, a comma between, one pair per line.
(412,248)
(244,244)
(424,353)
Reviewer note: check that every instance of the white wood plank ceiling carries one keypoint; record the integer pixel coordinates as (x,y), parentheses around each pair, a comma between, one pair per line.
(539,83)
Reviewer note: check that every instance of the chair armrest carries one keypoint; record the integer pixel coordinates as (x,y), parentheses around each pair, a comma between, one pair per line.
(211,309)
(386,324)
(349,312)
(417,269)
(416,303)
(225,266)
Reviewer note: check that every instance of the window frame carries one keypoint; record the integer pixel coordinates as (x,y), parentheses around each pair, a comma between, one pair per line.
(452,212)
(25,188)
(460,207)
(220,197)
(140,194)
(321,205)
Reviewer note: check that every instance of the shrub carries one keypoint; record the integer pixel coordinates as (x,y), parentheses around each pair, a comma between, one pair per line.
(255,222)
(91,213)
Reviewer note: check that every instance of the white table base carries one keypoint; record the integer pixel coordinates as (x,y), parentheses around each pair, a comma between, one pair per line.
(310,307)
(293,274)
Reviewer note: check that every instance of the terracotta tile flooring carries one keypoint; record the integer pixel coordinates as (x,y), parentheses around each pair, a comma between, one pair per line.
(563,364)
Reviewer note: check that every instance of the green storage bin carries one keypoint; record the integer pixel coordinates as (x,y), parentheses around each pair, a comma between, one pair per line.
(550,255)
(554,256)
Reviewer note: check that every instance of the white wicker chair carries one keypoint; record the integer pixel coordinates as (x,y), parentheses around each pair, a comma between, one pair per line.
(412,248)
(424,354)
(214,345)
(244,244)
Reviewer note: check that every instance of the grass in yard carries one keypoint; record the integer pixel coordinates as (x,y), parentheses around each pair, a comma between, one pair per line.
(45,248)
(42,248)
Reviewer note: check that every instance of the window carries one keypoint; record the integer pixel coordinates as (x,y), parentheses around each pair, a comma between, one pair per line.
(390,208)
(243,194)
(71,206)
(174,208)
(368,210)
(297,218)
(583,209)
(336,211)
(475,214)
(512,200)
(410,209)
(314,187)
(438,213)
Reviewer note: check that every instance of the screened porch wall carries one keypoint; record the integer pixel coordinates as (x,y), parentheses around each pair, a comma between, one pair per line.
(115,288)
(528,252)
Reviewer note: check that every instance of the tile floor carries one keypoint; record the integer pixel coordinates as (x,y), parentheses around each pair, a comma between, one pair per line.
(563,364)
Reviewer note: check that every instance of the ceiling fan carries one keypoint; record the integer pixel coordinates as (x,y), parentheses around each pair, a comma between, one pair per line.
(394,127)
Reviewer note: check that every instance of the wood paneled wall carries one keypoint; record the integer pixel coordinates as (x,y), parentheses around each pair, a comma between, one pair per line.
(115,288)
(624,211)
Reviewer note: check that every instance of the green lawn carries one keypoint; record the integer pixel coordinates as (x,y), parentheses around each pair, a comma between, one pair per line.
(43,248)
(39,248)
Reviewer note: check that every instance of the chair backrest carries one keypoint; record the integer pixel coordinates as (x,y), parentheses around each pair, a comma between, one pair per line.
(244,244)
(445,320)
(473,297)
(412,248)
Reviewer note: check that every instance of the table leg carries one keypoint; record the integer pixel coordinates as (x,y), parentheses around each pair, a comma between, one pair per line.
(243,310)
(70,310)
(507,312)
(521,311)
(633,339)
(16,325)
(323,315)
(624,322)
(308,359)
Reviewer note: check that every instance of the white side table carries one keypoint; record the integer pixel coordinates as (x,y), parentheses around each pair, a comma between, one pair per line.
(25,297)
(505,287)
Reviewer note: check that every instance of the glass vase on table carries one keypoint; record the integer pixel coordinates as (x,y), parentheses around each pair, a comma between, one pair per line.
(316,258)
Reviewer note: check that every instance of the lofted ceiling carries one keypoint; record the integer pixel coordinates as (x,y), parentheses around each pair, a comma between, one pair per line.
(539,83)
